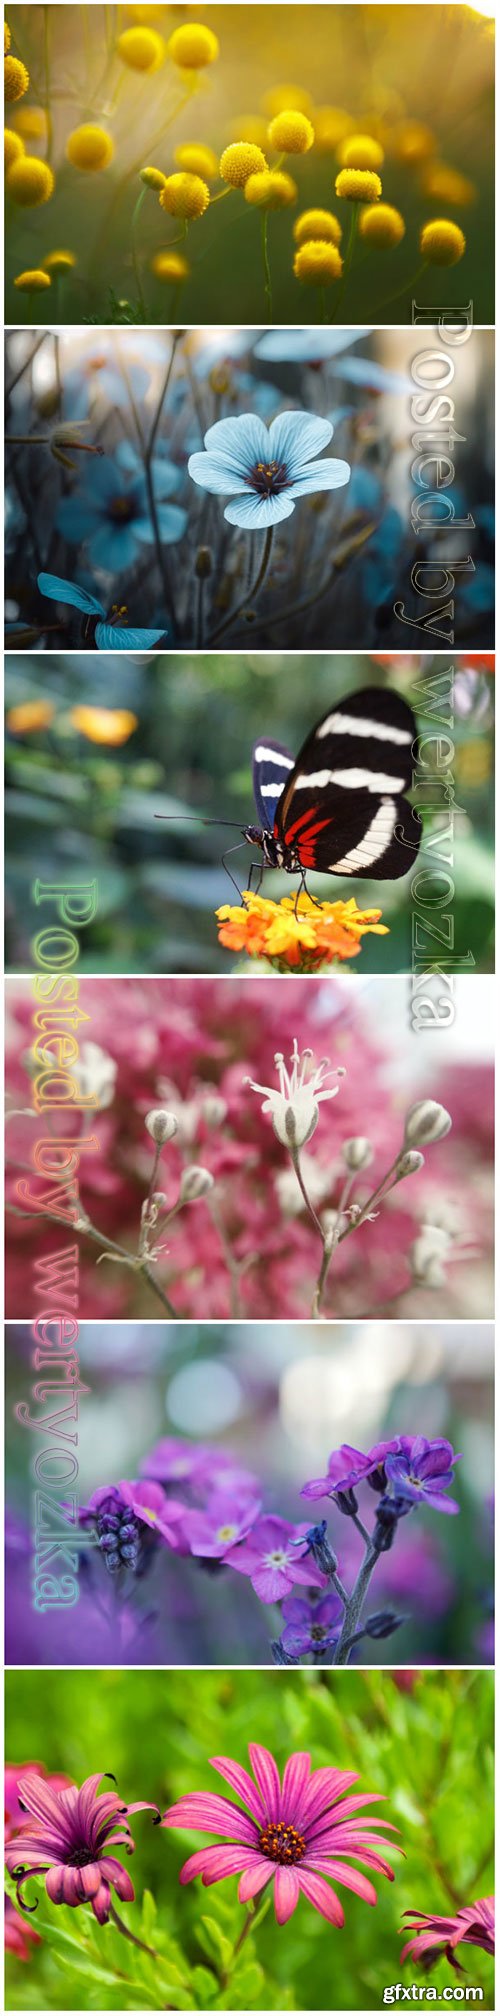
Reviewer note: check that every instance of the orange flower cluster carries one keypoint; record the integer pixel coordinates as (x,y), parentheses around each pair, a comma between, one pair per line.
(296,933)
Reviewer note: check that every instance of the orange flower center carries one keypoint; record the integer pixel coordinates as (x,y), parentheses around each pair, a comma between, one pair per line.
(281,1843)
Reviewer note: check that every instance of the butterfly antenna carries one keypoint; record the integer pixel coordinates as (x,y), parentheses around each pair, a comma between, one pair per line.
(195,819)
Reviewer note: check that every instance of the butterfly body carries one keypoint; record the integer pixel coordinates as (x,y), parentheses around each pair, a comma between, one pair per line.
(341,807)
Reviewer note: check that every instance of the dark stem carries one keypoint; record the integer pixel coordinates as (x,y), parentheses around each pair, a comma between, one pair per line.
(253,590)
(133,1940)
(348,257)
(267,269)
(355,1605)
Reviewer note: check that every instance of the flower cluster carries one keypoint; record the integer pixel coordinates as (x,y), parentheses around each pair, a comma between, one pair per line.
(296,932)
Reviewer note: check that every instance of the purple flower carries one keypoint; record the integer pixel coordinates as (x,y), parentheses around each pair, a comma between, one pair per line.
(348,1467)
(66,1839)
(432,1935)
(225,1521)
(272,1559)
(421,1471)
(311,1627)
(173,1461)
(300,1832)
(128,1518)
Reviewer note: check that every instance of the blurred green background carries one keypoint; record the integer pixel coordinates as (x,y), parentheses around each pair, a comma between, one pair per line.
(426,1743)
(381,66)
(78,808)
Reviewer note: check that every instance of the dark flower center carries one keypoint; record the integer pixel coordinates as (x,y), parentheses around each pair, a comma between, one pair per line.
(121,509)
(281,1843)
(79,1858)
(318,1632)
(268,478)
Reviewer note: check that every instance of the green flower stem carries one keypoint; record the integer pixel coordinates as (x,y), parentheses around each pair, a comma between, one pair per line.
(266,265)
(87,1231)
(355,1605)
(135,256)
(147,451)
(348,258)
(119,1922)
(253,590)
(323,309)
(253,1919)
(412,282)
(46,68)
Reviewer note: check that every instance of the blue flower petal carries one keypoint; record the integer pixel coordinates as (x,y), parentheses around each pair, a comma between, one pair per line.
(115,637)
(67,591)
(241,441)
(329,475)
(257,512)
(167,477)
(76,519)
(295,437)
(291,346)
(366,372)
(212,473)
(172,521)
(113,547)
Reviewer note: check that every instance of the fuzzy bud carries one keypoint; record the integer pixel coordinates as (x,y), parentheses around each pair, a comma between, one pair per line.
(214,1110)
(195,1183)
(161,1125)
(425,1122)
(357,1153)
(408,1163)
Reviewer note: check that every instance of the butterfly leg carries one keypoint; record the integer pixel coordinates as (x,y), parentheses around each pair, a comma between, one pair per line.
(233,850)
(303,887)
(260,867)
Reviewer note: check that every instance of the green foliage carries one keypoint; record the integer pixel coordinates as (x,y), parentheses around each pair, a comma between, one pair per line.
(428,1750)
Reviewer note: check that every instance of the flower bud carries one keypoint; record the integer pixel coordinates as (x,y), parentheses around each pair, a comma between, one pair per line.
(425,1122)
(214,1109)
(153,178)
(195,1183)
(161,1125)
(426,1257)
(357,1153)
(408,1163)
(203,563)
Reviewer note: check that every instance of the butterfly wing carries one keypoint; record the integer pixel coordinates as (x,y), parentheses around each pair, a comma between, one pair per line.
(271,769)
(343,810)
(67,591)
(116,637)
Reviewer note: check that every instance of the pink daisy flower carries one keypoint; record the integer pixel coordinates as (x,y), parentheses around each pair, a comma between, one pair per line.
(66,1838)
(473,1925)
(299,1833)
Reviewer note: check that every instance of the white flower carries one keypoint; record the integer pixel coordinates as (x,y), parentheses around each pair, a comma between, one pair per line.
(95,1073)
(427,1255)
(294,1107)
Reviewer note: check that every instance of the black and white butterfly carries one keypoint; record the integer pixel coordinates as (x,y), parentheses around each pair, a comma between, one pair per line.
(340,805)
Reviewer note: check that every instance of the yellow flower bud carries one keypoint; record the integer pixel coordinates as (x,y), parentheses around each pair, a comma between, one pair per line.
(317,261)
(153,178)
(196,159)
(317,224)
(7,38)
(360,151)
(33,281)
(358,185)
(382,226)
(141,49)
(110,725)
(287,98)
(30,181)
(170,266)
(271,191)
(447,185)
(90,148)
(441,242)
(59,262)
(30,715)
(192,47)
(16,79)
(31,121)
(184,196)
(291,133)
(13,147)
(331,124)
(240,161)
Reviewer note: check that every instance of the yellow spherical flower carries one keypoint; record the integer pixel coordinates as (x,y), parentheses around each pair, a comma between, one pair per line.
(287,98)
(30,181)
(111,725)
(249,126)
(331,125)
(411,141)
(291,133)
(317,224)
(382,226)
(441,242)
(141,48)
(32,281)
(192,47)
(59,262)
(271,190)
(358,185)
(184,196)
(16,79)
(13,147)
(447,185)
(317,261)
(170,266)
(197,159)
(239,161)
(153,178)
(89,148)
(29,715)
(31,121)
(296,934)
(360,151)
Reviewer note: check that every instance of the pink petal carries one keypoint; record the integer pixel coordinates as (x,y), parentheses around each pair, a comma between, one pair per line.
(255,1877)
(325,1786)
(113,1873)
(89,1880)
(44,1805)
(268,1779)
(323,1817)
(242,1783)
(319,1894)
(62,1884)
(422,1944)
(212,1864)
(295,1783)
(212,1815)
(101,1904)
(286,1893)
(342,1873)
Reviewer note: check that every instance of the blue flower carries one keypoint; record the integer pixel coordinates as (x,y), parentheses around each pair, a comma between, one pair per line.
(305,346)
(364,371)
(266,469)
(111,513)
(108,636)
